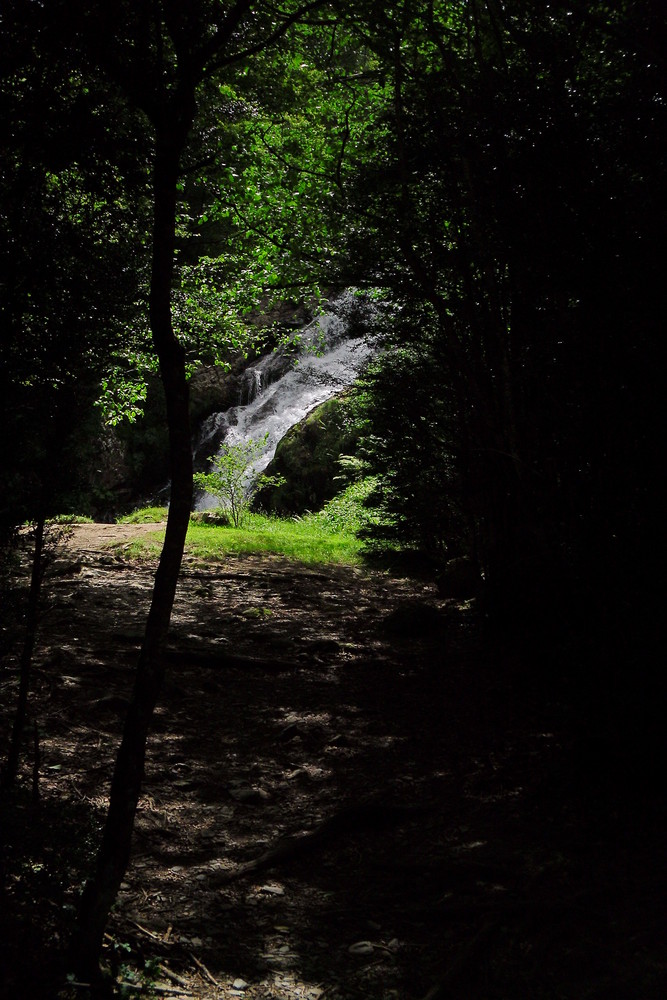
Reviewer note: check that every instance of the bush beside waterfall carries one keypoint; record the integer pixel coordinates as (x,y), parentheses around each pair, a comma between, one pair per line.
(348,511)
(231,482)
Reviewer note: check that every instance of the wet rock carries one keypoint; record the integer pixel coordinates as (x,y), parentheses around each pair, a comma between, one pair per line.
(66,567)
(361,948)
(273,889)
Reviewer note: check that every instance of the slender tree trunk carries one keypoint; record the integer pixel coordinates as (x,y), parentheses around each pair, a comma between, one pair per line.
(25,666)
(114,853)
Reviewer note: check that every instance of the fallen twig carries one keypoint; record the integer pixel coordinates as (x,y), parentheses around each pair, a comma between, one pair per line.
(162,939)
(175,978)
(84,798)
(206,972)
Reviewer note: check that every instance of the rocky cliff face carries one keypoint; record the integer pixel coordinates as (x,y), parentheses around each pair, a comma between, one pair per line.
(308,456)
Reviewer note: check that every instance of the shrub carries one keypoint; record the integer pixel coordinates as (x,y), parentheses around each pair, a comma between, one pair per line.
(231,479)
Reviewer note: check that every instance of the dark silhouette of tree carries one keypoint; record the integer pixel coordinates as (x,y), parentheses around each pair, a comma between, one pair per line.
(68,219)
(67,227)
(512,200)
(157,55)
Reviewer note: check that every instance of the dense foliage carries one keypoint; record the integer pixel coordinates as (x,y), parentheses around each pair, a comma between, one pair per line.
(513,207)
(70,258)
(493,172)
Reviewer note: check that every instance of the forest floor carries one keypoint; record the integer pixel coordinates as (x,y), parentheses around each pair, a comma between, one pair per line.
(436,836)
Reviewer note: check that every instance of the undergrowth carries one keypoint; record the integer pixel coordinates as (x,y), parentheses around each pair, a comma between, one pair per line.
(328,536)
(146,515)
(305,540)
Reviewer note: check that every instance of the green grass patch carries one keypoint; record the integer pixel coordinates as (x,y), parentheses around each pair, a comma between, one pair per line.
(328,536)
(305,540)
(71,519)
(347,511)
(146,515)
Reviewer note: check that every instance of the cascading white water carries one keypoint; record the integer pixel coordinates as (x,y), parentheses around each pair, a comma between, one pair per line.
(282,388)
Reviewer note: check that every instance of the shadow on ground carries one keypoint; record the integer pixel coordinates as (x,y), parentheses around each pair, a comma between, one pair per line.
(433,833)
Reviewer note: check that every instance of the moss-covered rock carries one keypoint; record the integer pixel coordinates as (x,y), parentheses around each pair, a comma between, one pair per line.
(307,458)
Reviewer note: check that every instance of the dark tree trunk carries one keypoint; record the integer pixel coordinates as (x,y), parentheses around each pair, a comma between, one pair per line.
(32,616)
(114,854)
(171,107)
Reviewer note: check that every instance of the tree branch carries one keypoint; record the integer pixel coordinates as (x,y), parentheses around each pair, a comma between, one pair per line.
(259,46)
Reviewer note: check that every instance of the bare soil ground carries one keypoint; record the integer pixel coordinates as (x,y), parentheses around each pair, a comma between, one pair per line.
(435,835)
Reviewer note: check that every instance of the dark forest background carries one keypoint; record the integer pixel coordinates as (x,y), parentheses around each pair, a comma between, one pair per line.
(491,174)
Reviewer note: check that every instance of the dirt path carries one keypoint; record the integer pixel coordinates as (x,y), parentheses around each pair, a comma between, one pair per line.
(357,722)
(95,537)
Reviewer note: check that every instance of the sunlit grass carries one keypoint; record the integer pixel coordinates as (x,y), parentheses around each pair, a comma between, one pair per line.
(305,540)
(147,515)
(328,536)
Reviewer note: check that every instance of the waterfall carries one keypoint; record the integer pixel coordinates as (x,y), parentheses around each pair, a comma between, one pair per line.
(280,389)
(251,386)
